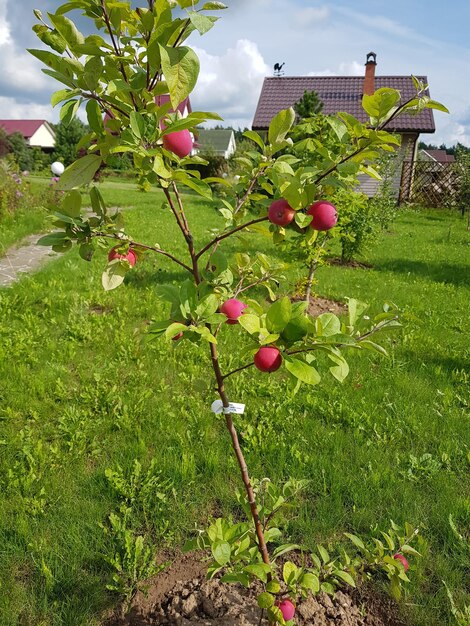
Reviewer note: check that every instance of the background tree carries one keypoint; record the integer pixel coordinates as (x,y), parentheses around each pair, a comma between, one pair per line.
(68,136)
(308,105)
(23,154)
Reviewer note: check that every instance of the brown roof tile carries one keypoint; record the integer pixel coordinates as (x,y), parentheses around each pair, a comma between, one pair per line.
(440,156)
(338,93)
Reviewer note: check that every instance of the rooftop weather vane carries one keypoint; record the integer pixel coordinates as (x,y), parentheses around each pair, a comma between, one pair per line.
(278,69)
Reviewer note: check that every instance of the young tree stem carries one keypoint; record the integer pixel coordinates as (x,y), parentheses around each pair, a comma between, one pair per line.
(240,458)
(183,223)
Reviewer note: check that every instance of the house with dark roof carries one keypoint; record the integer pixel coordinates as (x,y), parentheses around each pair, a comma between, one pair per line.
(344,93)
(36,132)
(436,156)
(219,141)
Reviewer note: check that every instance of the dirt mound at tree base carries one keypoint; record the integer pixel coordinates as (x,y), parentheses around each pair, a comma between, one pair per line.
(178,598)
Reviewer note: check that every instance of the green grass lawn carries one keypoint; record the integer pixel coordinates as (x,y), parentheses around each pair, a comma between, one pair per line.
(82,392)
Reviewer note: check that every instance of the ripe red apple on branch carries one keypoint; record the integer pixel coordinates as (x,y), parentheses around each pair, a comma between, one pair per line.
(281,213)
(131,256)
(180,142)
(287,609)
(324,215)
(403,560)
(268,359)
(232,308)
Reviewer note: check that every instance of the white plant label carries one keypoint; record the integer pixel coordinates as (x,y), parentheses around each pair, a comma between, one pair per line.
(233,407)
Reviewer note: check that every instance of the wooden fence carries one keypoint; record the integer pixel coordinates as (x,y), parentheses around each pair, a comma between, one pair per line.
(432,184)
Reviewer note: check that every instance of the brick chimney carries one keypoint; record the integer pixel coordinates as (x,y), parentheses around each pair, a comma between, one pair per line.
(369,79)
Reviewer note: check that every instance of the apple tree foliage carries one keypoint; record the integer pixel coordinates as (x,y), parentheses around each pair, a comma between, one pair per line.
(119,74)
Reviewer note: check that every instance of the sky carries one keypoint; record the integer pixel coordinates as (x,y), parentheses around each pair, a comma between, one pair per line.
(422,37)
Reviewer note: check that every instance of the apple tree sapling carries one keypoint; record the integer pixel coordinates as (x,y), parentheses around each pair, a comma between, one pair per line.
(137,56)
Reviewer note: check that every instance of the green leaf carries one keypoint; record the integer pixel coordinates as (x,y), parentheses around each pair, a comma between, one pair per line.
(53,239)
(302,371)
(181,69)
(199,186)
(221,551)
(340,370)
(289,572)
(63,94)
(160,168)
(238,577)
(50,38)
(202,23)
(137,124)
(328,324)
(279,315)
(310,581)
(214,6)
(68,111)
(281,125)
(433,104)
(71,203)
(67,29)
(250,323)
(265,600)
(95,120)
(258,570)
(254,136)
(389,541)
(355,310)
(323,553)
(345,577)
(273,586)
(80,173)
(357,541)
(409,550)
(275,615)
(114,274)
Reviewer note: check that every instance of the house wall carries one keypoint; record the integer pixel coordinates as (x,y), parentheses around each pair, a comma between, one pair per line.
(232,146)
(43,138)
(406,153)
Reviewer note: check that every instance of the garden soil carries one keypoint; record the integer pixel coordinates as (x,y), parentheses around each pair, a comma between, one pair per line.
(181,596)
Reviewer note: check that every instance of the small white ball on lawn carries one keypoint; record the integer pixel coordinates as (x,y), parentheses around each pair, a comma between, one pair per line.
(57,168)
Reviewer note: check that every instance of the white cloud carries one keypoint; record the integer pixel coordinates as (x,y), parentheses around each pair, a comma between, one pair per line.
(231,83)
(11,109)
(4,26)
(311,16)
(345,68)
(20,70)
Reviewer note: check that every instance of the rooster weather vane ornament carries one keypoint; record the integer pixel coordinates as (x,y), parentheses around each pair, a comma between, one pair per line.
(278,69)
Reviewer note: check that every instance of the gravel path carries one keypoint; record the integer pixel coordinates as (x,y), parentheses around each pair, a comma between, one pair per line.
(26,258)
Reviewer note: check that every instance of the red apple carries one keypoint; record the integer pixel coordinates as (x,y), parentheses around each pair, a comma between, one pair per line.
(280,212)
(324,215)
(131,256)
(232,308)
(179,142)
(178,336)
(403,560)
(287,609)
(268,359)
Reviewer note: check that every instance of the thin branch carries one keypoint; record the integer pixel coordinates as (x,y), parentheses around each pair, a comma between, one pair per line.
(374,330)
(229,233)
(359,150)
(263,279)
(248,191)
(136,244)
(239,369)
(117,49)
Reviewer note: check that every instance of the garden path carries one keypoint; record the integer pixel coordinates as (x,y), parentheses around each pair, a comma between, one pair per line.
(28,256)
(23,259)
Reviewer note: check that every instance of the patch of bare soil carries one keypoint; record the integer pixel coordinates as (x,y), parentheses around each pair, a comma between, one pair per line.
(181,596)
(351,264)
(317,306)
